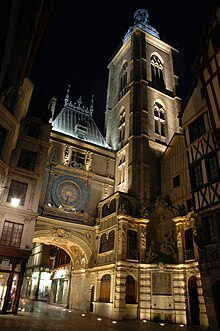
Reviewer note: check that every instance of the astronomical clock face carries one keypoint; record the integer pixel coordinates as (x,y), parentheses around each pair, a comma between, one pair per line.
(69,192)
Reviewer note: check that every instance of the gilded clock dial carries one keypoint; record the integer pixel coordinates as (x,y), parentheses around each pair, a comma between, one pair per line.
(69,192)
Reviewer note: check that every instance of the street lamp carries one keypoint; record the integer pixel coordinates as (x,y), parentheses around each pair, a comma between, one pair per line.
(15,202)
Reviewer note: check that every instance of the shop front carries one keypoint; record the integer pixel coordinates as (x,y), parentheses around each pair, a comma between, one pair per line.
(39,284)
(11,276)
(60,286)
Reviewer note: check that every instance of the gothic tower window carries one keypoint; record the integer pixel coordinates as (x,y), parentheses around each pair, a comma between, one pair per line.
(123,79)
(159,118)
(157,70)
(122,126)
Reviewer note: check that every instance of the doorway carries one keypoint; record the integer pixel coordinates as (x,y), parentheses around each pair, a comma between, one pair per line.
(193,301)
(91,299)
(216,299)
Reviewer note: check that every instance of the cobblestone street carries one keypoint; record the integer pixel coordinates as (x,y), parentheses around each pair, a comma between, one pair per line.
(41,316)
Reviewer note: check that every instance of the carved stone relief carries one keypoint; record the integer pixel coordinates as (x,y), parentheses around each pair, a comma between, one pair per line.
(161,237)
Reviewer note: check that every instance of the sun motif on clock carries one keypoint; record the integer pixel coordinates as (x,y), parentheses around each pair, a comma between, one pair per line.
(69,192)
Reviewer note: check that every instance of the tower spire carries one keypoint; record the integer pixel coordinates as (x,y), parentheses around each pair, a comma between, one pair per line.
(66,100)
(92,104)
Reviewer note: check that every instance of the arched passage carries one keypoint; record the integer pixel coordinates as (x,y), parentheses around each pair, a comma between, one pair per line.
(193,301)
(72,254)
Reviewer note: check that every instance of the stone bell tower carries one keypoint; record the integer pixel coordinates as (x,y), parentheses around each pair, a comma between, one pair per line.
(142,108)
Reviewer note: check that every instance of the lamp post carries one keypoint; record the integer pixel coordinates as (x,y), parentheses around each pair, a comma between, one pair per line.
(15,202)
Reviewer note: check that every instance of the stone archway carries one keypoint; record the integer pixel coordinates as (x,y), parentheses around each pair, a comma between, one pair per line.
(73,243)
(78,245)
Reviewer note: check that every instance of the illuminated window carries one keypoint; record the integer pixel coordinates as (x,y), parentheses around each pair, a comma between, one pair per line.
(130,290)
(105,288)
(11,234)
(17,190)
(157,71)
(27,159)
(159,118)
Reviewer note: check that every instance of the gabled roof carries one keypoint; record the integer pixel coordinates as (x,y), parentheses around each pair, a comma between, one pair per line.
(76,121)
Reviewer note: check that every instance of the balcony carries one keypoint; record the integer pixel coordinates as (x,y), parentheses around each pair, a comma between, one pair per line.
(133,254)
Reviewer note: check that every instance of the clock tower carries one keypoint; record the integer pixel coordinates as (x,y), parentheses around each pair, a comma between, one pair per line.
(142,108)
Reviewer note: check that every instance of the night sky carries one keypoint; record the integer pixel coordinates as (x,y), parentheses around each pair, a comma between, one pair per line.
(82,36)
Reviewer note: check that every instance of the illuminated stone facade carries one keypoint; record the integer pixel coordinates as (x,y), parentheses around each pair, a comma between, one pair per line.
(121,207)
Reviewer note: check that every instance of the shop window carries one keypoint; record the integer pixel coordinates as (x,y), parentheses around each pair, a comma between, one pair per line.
(196,129)
(17,190)
(132,245)
(130,290)
(212,168)
(3,136)
(189,247)
(176,181)
(34,129)
(27,159)
(11,234)
(105,288)
(196,175)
